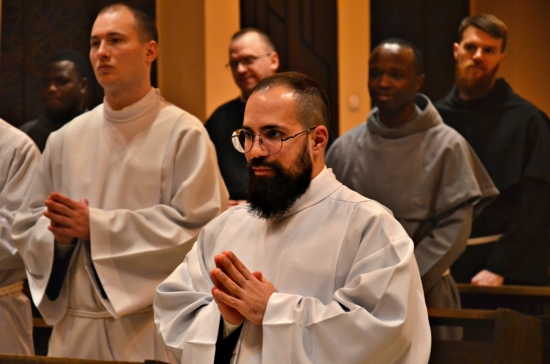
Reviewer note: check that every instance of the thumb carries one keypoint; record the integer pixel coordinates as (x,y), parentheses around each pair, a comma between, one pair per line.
(259,276)
(84,201)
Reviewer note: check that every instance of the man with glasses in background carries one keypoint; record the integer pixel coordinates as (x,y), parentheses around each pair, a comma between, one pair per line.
(308,271)
(252,57)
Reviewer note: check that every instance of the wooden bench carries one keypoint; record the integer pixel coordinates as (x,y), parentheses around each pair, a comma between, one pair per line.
(20,359)
(532,300)
(498,336)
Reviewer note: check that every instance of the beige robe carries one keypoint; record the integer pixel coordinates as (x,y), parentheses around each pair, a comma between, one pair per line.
(18,163)
(151,177)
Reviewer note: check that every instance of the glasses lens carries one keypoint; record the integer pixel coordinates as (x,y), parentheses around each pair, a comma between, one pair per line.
(271,141)
(239,140)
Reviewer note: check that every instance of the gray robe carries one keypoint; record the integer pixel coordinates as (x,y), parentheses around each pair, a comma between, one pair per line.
(430,178)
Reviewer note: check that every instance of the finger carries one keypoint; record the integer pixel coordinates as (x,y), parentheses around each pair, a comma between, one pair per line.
(230,286)
(58,208)
(216,281)
(85,202)
(58,219)
(218,262)
(238,264)
(62,199)
(259,276)
(231,271)
(224,298)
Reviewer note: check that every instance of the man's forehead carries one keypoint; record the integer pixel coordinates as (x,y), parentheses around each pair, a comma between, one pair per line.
(247,42)
(271,106)
(118,21)
(392,55)
(473,33)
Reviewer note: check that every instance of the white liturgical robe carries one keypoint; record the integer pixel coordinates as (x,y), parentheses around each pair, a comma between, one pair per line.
(150,174)
(18,163)
(348,287)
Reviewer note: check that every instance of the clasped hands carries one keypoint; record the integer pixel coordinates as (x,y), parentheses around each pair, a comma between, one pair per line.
(69,219)
(238,293)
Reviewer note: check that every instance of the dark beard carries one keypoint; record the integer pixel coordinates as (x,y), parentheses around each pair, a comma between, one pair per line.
(270,197)
(474,89)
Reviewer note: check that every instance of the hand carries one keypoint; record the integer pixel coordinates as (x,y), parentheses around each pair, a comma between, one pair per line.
(228,313)
(231,203)
(245,292)
(69,219)
(487,278)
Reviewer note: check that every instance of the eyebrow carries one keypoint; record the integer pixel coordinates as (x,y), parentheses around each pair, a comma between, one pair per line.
(94,37)
(268,127)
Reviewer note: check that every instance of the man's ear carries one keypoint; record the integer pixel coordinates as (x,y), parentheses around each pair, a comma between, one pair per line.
(274,61)
(83,85)
(420,81)
(152,51)
(456,46)
(320,138)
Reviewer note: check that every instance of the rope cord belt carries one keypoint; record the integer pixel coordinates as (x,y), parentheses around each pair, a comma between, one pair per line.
(11,288)
(100,314)
(484,239)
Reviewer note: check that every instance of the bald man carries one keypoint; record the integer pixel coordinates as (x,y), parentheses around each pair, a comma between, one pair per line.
(252,57)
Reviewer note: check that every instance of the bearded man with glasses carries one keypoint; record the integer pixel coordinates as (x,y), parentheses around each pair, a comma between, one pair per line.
(309,271)
(252,57)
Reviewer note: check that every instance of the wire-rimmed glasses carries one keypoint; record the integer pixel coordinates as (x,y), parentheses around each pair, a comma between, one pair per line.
(245,61)
(271,140)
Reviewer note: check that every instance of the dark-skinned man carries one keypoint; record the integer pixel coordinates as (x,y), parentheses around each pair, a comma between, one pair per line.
(64,84)
(422,170)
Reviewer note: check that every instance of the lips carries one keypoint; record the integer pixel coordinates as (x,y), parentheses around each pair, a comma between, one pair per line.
(260,171)
(383,96)
(104,68)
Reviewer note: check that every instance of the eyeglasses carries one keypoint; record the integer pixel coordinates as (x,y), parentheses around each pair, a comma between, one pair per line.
(245,61)
(270,140)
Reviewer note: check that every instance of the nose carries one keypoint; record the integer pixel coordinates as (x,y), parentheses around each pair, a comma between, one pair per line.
(241,68)
(102,51)
(384,81)
(257,150)
(52,87)
(478,54)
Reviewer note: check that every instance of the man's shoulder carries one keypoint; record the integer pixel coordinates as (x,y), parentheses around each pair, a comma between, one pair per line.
(28,125)
(13,138)
(182,117)
(345,195)
(349,140)
(231,108)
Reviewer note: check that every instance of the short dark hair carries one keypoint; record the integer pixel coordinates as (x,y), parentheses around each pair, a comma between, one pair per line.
(312,105)
(147,29)
(263,36)
(419,59)
(490,24)
(80,64)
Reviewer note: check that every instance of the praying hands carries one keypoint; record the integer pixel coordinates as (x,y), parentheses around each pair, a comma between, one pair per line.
(69,219)
(238,293)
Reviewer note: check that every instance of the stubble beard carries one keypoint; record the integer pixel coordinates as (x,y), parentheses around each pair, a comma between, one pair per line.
(474,88)
(271,197)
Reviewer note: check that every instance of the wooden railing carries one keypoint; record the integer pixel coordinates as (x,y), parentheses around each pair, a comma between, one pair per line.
(498,336)
(22,359)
